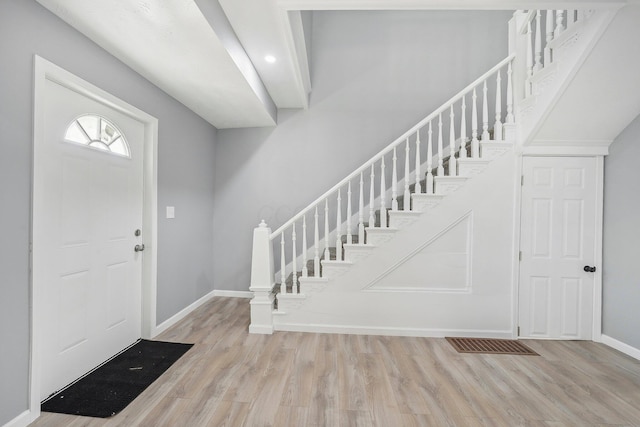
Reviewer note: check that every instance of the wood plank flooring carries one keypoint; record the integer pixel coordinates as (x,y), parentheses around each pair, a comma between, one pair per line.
(231,378)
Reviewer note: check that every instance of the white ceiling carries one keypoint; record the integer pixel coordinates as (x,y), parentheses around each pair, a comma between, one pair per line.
(188,49)
(171,43)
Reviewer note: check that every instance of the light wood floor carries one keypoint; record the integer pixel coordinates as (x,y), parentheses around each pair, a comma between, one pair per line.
(231,378)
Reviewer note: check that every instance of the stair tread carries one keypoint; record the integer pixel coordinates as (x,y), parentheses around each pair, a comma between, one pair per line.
(334,261)
(359,246)
(416,213)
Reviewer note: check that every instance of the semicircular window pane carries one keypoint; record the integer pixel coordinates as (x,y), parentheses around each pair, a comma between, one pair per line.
(97,132)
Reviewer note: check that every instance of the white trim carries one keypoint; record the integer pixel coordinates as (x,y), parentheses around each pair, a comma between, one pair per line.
(392,331)
(182,314)
(620,346)
(195,305)
(233,294)
(596,325)
(596,329)
(45,70)
(517,231)
(468,217)
(22,420)
(540,148)
(260,329)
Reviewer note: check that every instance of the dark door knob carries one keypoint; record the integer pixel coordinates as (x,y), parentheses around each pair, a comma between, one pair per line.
(589,269)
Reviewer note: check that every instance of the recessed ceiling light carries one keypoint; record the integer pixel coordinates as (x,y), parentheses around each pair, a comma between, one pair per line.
(270,59)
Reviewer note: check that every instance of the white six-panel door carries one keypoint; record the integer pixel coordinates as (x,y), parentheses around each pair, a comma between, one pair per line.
(558,235)
(87,206)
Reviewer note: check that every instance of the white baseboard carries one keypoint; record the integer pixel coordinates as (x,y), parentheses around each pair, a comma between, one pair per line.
(21,420)
(261,329)
(235,294)
(182,314)
(187,310)
(404,332)
(620,346)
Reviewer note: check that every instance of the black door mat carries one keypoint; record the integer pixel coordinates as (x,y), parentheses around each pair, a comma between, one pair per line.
(111,387)
(490,346)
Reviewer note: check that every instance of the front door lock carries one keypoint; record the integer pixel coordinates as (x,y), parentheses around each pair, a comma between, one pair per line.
(589,269)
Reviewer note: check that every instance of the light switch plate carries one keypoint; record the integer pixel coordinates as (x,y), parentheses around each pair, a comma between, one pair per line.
(171,212)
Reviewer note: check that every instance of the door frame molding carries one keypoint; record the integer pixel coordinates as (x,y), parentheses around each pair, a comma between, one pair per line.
(43,71)
(598,155)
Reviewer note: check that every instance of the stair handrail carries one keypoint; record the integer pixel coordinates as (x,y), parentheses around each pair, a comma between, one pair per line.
(444,107)
(529,17)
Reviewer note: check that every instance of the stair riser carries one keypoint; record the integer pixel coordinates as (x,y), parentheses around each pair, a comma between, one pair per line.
(470,170)
(330,271)
(490,153)
(379,238)
(403,219)
(357,254)
(445,188)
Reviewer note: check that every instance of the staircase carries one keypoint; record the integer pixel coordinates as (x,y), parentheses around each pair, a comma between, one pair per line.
(420,240)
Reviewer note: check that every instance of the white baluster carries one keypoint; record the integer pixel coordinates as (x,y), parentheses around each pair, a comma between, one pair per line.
(440,170)
(406,204)
(510,118)
(538,42)
(429,181)
(283,274)
(418,186)
(475,144)
(294,255)
(559,23)
(349,236)
(497,126)
(394,182)
(316,247)
(383,191)
(528,61)
(452,144)
(372,218)
(571,17)
(305,270)
(549,37)
(485,113)
(327,253)
(361,212)
(463,129)
(339,227)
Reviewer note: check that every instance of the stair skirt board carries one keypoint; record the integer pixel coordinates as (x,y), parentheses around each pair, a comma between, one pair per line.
(389,331)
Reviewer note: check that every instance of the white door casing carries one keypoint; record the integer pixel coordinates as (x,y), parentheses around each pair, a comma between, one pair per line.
(91,293)
(559,237)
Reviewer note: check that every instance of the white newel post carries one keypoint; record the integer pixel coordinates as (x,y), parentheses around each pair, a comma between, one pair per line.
(262,281)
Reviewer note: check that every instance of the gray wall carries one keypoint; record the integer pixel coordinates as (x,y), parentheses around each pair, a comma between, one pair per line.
(621,280)
(374,75)
(186,155)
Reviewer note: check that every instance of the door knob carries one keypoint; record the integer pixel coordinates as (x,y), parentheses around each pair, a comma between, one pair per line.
(138,248)
(587,268)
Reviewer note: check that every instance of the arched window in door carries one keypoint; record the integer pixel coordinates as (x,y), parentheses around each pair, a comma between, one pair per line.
(97,132)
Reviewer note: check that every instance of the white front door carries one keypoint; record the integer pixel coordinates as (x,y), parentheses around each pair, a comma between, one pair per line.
(87,207)
(558,235)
